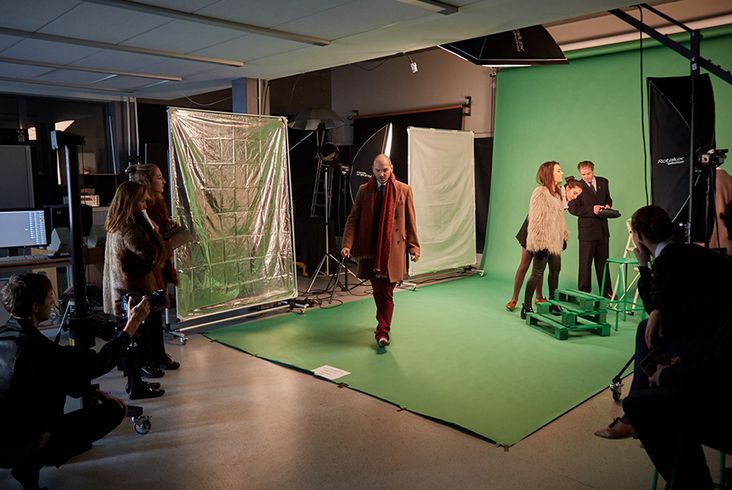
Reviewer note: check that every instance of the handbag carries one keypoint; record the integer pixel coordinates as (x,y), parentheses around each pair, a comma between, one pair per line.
(609,213)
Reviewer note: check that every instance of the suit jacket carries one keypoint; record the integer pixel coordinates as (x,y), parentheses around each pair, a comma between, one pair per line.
(591,226)
(689,285)
(403,233)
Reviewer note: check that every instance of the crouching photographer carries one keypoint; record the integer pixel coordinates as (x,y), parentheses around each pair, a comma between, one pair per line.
(133,259)
(36,375)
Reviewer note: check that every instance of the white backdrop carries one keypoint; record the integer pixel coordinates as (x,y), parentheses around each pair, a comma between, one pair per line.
(441,174)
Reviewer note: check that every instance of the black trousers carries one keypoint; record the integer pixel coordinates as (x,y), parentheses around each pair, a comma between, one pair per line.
(73,434)
(538,266)
(672,427)
(595,251)
(152,338)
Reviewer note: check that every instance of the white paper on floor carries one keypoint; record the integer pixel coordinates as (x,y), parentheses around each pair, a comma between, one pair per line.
(330,372)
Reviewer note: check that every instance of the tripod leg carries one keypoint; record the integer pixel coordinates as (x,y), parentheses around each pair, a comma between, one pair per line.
(316,272)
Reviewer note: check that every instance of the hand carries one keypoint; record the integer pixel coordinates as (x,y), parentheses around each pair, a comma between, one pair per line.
(106,396)
(642,254)
(136,315)
(414,257)
(653,326)
(655,378)
(346,252)
(596,208)
(607,206)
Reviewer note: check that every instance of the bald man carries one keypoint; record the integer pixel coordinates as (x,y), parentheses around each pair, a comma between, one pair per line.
(379,231)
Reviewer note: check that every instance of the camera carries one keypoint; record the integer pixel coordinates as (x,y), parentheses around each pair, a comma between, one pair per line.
(711,157)
(158,300)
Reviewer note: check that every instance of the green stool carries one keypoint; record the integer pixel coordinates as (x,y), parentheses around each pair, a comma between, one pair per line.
(624,293)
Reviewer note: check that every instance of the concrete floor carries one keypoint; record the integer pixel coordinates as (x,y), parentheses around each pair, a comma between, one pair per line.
(231,421)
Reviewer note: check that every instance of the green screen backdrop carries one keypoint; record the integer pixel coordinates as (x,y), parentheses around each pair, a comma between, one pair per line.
(587,110)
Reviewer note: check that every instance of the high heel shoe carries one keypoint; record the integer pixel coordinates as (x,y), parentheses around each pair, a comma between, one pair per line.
(540,300)
(524,311)
(511,305)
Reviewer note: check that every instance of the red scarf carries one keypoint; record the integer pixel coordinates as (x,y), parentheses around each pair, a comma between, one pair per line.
(364,238)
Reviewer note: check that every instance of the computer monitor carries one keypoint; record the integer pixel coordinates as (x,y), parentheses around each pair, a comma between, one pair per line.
(24,228)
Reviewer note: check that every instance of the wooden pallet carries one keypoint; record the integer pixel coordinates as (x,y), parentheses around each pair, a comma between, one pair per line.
(579,311)
(555,324)
(584,301)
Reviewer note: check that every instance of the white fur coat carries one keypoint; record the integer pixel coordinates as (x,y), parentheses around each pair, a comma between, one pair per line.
(547,227)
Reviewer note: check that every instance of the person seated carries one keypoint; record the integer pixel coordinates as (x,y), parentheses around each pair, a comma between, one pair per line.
(682,292)
(686,407)
(36,375)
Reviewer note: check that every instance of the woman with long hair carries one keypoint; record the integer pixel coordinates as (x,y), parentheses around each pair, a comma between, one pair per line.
(572,190)
(150,176)
(547,231)
(133,253)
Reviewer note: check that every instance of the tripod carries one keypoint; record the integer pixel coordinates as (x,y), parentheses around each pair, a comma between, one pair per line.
(324,170)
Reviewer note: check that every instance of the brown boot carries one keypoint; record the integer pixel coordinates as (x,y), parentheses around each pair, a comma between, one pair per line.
(616,430)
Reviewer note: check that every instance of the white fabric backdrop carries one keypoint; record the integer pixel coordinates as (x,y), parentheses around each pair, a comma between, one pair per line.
(441,174)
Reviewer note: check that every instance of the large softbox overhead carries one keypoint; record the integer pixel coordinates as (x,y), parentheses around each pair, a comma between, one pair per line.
(669,100)
(526,46)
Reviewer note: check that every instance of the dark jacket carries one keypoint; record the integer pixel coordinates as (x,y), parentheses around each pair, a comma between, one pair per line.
(689,285)
(589,225)
(35,377)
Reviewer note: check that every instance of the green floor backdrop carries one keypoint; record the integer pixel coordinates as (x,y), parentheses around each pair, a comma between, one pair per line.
(457,355)
(587,110)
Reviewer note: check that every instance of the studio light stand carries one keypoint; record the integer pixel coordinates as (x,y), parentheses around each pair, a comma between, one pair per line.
(320,120)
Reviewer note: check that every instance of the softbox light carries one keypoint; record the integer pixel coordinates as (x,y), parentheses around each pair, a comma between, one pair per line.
(520,47)
(311,119)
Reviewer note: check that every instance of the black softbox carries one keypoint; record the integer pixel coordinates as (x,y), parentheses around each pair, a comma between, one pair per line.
(669,113)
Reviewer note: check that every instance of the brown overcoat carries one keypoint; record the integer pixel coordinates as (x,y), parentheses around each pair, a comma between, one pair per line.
(403,234)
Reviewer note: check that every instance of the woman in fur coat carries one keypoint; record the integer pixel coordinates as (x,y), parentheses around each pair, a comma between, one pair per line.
(547,230)
(150,176)
(133,256)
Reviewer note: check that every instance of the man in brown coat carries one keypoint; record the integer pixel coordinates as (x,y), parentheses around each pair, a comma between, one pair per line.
(378,231)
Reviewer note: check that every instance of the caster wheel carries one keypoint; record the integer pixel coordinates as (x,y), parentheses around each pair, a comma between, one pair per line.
(142,424)
(615,389)
(183,340)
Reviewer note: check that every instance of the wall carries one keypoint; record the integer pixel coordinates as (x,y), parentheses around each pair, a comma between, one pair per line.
(389,86)
(590,109)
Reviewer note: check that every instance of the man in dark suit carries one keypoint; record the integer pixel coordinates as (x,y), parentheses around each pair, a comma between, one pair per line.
(684,349)
(380,229)
(594,237)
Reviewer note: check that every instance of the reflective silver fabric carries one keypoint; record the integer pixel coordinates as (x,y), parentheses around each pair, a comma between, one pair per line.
(231,188)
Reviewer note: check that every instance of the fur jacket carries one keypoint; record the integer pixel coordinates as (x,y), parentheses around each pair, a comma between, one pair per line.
(133,261)
(547,227)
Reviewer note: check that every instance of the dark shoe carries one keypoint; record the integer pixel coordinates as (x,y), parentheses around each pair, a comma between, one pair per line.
(616,430)
(382,341)
(151,372)
(146,393)
(146,384)
(555,309)
(168,363)
(524,311)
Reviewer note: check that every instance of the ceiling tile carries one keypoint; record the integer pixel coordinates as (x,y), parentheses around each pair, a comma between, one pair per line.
(31,15)
(71,76)
(102,23)
(184,37)
(36,50)
(269,13)
(21,71)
